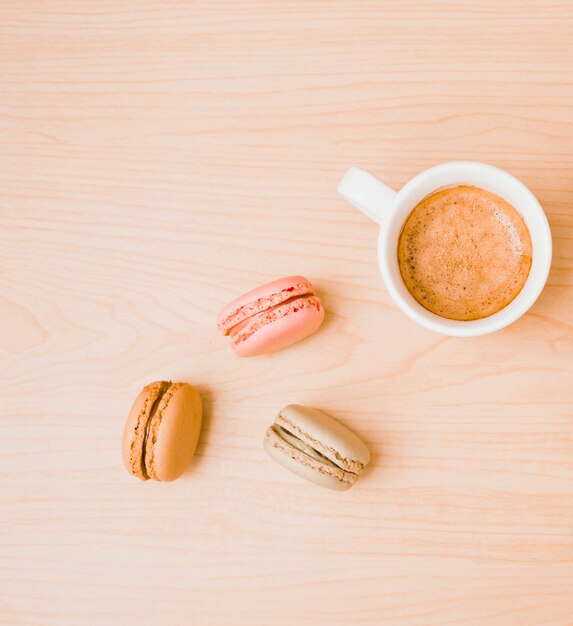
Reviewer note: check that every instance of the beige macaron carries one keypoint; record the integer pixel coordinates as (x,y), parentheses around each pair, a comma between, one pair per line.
(316,447)
(162,430)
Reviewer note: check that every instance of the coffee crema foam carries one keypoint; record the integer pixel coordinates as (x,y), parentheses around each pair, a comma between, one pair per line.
(464,253)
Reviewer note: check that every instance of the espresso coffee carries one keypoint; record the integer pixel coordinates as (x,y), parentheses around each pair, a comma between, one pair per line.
(464,253)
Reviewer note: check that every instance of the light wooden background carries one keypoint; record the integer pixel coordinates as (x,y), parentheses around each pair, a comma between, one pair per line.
(158,159)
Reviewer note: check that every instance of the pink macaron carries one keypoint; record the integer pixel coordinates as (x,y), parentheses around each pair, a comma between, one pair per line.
(272,316)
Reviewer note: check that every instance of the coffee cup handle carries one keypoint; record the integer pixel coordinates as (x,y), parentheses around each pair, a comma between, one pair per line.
(367,193)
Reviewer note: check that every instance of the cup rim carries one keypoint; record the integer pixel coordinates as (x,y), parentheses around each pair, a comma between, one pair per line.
(514,310)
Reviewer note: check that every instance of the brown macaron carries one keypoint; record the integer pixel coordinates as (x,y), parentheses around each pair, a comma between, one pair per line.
(162,430)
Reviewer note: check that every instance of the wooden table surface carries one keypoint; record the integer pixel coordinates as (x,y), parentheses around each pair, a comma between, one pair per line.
(157,159)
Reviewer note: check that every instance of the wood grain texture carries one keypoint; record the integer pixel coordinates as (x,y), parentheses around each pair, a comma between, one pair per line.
(159,158)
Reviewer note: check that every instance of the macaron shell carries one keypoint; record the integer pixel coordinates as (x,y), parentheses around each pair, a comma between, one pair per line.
(329,436)
(296,324)
(262,298)
(135,425)
(305,467)
(174,432)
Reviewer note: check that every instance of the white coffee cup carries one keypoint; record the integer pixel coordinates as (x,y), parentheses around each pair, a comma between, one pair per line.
(390,209)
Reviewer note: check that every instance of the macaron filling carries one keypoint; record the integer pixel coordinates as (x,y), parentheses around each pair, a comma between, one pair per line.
(289,446)
(324,463)
(349,465)
(243,313)
(246,328)
(134,439)
(154,425)
(150,417)
(301,445)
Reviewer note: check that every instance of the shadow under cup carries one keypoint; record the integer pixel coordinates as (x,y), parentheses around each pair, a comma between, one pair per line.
(491,179)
